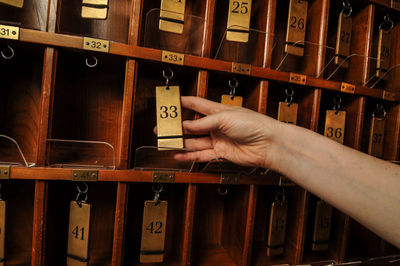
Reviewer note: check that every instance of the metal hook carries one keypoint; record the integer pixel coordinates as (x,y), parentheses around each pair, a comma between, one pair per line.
(386,19)
(94,64)
(223,193)
(233,86)
(157,193)
(289,95)
(167,78)
(280,192)
(8,57)
(82,192)
(347,6)
(379,107)
(337,103)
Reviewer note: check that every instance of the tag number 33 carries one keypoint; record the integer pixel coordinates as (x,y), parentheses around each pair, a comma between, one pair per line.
(168,112)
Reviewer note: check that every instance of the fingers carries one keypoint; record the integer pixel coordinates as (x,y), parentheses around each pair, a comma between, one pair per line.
(202,106)
(196,156)
(198,144)
(201,126)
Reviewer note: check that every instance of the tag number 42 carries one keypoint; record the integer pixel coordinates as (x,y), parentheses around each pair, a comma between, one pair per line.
(155,227)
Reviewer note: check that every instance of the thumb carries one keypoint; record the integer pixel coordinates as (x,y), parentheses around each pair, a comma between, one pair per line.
(203,125)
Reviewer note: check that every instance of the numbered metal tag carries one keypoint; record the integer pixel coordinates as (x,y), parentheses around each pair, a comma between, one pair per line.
(383,61)
(9,32)
(335,124)
(322,226)
(238,24)
(172,15)
(94,9)
(78,234)
(296,27)
(277,228)
(376,137)
(169,118)
(288,112)
(14,3)
(232,100)
(343,40)
(153,231)
(3,205)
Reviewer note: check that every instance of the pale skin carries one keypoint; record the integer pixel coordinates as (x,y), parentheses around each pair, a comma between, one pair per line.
(364,187)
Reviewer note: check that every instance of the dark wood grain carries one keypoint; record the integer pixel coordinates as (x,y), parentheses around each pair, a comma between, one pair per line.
(39,222)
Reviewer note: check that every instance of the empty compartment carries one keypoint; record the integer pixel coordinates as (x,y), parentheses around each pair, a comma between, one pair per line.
(220,225)
(187,30)
(350,68)
(19,196)
(115,27)
(313,60)
(175,196)
(295,197)
(252,50)
(26,14)
(102,197)
(150,75)
(87,107)
(20,96)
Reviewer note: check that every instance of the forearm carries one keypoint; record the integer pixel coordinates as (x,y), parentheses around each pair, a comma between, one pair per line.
(366,188)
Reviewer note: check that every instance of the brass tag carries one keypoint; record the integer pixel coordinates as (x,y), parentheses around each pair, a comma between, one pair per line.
(94,12)
(348,88)
(389,96)
(97,45)
(343,40)
(169,118)
(9,32)
(395,4)
(241,68)
(322,226)
(153,231)
(5,171)
(238,25)
(163,177)
(287,113)
(84,175)
(14,3)
(335,124)
(277,228)
(296,27)
(383,61)
(298,78)
(376,136)
(172,15)
(232,100)
(173,58)
(95,2)
(78,234)
(3,205)
(229,179)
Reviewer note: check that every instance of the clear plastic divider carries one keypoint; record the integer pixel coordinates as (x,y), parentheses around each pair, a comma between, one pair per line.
(224,166)
(11,153)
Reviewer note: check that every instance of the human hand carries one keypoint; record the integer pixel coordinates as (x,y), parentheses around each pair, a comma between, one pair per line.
(236,134)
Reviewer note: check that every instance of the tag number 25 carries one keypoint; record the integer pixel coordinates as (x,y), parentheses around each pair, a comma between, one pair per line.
(172,111)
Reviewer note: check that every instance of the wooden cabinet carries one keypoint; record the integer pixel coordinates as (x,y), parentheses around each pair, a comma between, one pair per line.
(68,107)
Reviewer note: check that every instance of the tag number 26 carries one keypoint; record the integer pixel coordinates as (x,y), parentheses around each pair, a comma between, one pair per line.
(168,112)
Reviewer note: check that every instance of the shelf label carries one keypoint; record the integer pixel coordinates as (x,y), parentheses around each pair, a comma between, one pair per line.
(163,177)
(343,40)
(383,61)
(169,117)
(97,45)
(3,205)
(334,125)
(298,78)
(9,32)
(296,27)
(78,233)
(389,96)
(277,228)
(14,3)
(395,4)
(229,178)
(287,112)
(173,58)
(172,15)
(85,175)
(153,231)
(4,172)
(322,226)
(377,134)
(241,68)
(348,88)
(238,25)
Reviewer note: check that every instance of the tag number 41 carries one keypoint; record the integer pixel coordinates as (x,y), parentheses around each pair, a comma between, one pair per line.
(76,231)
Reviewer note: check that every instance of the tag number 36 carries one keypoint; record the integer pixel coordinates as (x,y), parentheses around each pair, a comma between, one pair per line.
(168,112)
